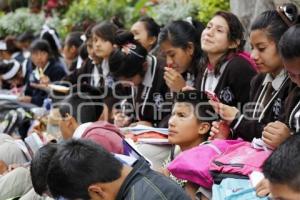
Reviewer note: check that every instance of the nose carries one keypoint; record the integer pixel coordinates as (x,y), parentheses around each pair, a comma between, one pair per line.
(169,60)
(254,54)
(171,122)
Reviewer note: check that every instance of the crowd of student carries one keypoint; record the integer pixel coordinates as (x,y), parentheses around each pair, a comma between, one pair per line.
(195,80)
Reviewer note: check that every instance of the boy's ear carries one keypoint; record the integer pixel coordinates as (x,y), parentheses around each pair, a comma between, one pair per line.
(70,120)
(204,128)
(96,192)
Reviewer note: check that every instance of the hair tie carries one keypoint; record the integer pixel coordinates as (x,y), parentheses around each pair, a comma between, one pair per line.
(3,46)
(189,20)
(13,71)
(129,48)
(285,16)
(47,29)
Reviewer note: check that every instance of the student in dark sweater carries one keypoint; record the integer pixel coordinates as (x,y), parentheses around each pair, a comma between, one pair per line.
(224,68)
(141,79)
(179,42)
(277,132)
(48,69)
(269,88)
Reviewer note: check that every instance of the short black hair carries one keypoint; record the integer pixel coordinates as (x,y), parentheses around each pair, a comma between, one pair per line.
(84,104)
(39,166)
(199,100)
(78,164)
(41,45)
(282,167)
(289,44)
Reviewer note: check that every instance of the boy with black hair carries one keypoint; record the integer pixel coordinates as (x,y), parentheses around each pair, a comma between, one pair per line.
(80,115)
(82,169)
(282,170)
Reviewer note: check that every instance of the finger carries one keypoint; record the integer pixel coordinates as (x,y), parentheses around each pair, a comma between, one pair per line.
(267,141)
(215,130)
(271,130)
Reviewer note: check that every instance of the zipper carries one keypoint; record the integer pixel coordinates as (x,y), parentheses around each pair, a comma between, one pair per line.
(233,165)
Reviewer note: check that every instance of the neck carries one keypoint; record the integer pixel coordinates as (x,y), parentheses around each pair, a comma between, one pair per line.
(276,72)
(214,58)
(195,143)
(117,184)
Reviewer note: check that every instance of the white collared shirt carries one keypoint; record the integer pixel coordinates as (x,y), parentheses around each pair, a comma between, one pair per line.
(80,130)
(277,81)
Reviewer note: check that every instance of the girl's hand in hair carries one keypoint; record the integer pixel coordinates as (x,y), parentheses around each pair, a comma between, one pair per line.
(174,80)
(219,130)
(275,133)
(227,113)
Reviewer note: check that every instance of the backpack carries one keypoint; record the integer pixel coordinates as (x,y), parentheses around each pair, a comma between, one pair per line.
(193,164)
(238,161)
(234,189)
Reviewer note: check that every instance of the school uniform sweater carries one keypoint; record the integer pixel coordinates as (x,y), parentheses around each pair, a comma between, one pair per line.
(291,111)
(253,119)
(54,71)
(147,100)
(232,86)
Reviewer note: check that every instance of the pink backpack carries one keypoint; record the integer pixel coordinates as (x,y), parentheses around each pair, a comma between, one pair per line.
(193,164)
(239,159)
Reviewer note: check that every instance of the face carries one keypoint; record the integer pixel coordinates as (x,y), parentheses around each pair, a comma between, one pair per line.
(68,52)
(141,35)
(91,52)
(179,58)
(65,127)
(184,126)
(214,38)
(293,68)
(264,52)
(39,58)
(102,48)
(135,80)
(17,81)
(283,192)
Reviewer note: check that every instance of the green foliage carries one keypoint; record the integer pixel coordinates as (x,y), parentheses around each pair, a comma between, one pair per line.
(207,8)
(15,23)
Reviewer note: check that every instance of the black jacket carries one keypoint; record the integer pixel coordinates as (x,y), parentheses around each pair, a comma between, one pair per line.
(234,84)
(55,72)
(248,127)
(144,183)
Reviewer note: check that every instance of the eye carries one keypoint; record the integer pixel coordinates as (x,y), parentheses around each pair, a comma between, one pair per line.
(261,49)
(181,114)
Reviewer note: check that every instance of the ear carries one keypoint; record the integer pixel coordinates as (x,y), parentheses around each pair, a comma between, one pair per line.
(69,120)
(190,49)
(234,44)
(96,192)
(204,128)
(152,40)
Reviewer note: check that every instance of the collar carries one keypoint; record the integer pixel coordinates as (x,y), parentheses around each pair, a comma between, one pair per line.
(277,81)
(148,79)
(47,65)
(80,130)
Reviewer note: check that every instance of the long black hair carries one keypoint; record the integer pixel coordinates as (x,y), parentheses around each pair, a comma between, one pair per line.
(180,33)
(236,33)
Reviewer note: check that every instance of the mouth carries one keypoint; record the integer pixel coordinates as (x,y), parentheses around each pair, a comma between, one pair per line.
(172,132)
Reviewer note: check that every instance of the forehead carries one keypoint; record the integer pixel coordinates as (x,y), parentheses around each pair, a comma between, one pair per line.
(292,63)
(259,36)
(219,22)
(167,47)
(138,26)
(183,106)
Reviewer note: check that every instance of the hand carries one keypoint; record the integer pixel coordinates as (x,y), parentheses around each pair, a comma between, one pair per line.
(188,88)
(145,123)
(44,80)
(25,99)
(173,79)
(39,86)
(219,130)
(165,172)
(262,188)
(121,120)
(275,133)
(227,113)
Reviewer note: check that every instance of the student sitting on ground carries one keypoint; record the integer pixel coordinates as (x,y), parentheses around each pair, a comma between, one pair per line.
(79,114)
(189,124)
(282,170)
(106,177)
